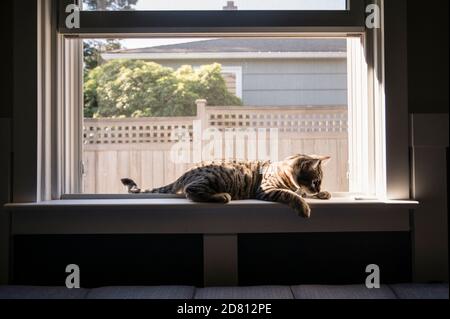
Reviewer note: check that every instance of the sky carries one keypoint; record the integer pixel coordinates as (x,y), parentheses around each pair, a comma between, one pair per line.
(217,5)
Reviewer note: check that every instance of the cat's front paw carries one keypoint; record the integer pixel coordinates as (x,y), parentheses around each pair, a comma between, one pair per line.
(323,195)
(222,198)
(302,209)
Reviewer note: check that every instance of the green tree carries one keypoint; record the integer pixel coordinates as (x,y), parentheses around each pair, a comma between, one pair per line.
(92,50)
(136,88)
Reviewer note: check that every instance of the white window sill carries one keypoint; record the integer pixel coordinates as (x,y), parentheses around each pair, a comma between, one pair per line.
(154,203)
(181,216)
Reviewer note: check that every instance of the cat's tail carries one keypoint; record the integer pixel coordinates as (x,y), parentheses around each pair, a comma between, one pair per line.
(134,189)
(131,186)
(168,189)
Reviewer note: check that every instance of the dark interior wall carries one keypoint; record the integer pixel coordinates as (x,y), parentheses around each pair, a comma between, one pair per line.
(109,260)
(323,258)
(7,51)
(428,56)
(275,259)
(6,101)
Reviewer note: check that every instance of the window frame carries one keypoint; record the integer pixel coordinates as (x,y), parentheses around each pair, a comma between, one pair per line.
(383,50)
(141,22)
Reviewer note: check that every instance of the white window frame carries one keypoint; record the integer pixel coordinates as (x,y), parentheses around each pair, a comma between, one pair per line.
(393,147)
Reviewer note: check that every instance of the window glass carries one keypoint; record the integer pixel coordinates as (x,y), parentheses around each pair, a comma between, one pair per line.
(147,100)
(199,5)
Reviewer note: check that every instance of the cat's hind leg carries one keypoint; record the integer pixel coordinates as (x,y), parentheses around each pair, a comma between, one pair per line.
(200,191)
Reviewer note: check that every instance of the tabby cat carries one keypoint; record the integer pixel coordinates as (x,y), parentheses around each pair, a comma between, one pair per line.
(287,182)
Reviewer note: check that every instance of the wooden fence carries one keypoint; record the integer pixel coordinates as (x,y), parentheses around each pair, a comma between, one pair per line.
(140,148)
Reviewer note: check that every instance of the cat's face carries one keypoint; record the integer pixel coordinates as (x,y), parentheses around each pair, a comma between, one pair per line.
(308,172)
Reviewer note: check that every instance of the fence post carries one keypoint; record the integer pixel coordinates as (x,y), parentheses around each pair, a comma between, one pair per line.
(198,130)
(201,112)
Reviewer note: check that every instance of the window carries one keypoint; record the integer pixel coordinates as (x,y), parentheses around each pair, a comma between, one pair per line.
(137,94)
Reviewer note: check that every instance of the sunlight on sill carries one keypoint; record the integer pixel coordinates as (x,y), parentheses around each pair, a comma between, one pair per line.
(177,202)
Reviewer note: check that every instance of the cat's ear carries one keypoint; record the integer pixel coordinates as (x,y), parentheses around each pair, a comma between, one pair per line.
(317,159)
(325,160)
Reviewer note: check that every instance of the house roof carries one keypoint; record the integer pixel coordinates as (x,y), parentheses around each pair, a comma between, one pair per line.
(246,45)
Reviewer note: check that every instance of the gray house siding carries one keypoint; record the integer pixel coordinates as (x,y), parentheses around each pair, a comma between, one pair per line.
(295,82)
(288,82)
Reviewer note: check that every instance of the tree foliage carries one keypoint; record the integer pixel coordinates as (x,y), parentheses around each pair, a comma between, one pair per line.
(92,50)
(136,88)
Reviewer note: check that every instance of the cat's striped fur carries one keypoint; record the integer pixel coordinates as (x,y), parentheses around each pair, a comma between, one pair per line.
(287,182)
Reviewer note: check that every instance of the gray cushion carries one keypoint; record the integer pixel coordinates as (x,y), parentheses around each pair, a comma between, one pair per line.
(35,292)
(262,292)
(341,292)
(155,292)
(421,291)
